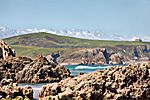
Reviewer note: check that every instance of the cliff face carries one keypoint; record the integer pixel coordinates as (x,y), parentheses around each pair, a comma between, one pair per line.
(116,83)
(90,56)
(108,55)
(142,51)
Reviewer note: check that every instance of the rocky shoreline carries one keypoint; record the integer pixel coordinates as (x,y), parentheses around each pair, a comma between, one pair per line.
(120,82)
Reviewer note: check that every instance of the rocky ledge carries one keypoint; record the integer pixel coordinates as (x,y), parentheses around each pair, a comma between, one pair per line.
(120,82)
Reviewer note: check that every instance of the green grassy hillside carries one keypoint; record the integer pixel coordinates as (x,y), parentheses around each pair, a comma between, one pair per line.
(31,51)
(48,40)
(45,43)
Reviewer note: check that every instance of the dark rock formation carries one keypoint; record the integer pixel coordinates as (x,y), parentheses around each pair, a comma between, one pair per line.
(10,90)
(5,50)
(53,57)
(116,83)
(41,70)
(146,49)
(141,52)
(135,53)
(10,66)
(26,70)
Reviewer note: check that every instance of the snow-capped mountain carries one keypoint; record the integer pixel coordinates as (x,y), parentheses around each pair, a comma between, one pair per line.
(6,32)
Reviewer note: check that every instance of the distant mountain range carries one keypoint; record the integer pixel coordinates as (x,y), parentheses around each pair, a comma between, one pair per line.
(6,32)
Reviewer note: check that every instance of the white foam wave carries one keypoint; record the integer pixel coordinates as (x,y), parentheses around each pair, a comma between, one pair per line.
(37,89)
(91,67)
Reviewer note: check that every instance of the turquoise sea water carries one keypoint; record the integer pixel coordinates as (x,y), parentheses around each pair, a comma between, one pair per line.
(77,69)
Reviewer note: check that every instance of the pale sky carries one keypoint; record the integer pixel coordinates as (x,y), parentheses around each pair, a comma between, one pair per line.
(110,16)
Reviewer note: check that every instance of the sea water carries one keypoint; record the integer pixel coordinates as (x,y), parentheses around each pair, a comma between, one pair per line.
(77,69)
(74,69)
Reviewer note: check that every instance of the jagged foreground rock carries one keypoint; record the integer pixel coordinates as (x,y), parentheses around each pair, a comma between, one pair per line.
(26,70)
(116,83)
(10,66)
(15,70)
(41,70)
(11,91)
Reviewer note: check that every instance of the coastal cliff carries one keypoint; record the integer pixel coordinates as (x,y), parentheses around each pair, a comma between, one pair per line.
(107,55)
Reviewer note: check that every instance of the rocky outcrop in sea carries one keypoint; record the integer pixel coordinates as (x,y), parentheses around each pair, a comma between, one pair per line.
(115,83)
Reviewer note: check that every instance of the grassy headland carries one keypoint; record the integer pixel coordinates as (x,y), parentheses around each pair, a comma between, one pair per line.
(46,43)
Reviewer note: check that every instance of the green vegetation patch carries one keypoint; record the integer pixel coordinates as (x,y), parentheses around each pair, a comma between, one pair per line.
(47,40)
